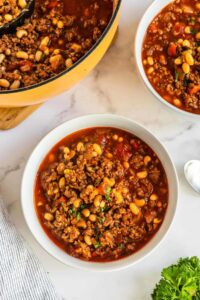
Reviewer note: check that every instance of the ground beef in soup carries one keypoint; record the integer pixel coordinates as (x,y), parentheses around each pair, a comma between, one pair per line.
(171,54)
(57,35)
(101,194)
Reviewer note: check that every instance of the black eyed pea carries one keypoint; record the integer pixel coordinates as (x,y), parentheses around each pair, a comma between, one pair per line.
(55,21)
(81,224)
(22,3)
(142,174)
(198,36)
(15,85)
(140,202)
(94,194)
(20,33)
(2,57)
(102,204)
(68,62)
(8,17)
(186,68)
(87,240)
(60,24)
(92,218)
(198,5)
(45,41)
(8,52)
(76,47)
(97,201)
(4,83)
(153,197)
(48,217)
(86,212)
(115,137)
(147,159)
(80,147)
(62,183)
(126,165)
(66,150)
(109,155)
(38,55)
(97,149)
(119,198)
(157,221)
(177,102)
(109,181)
(22,54)
(134,209)
(189,59)
(77,203)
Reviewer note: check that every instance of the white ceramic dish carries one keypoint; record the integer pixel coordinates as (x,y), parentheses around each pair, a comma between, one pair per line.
(153,10)
(27,192)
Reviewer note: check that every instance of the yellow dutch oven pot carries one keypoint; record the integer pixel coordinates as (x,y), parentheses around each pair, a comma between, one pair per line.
(38,93)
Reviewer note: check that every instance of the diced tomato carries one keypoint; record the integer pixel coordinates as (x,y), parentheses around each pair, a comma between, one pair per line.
(172,49)
(195,89)
(52,4)
(26,65)
(135,146)
(123,151)
(52,157)
(60,200)
(102,188)
(179,28)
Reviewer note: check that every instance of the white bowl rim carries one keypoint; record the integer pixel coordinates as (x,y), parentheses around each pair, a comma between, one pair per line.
(156,5)
(27,192)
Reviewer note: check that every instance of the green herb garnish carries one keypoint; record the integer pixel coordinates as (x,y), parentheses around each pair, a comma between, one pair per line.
(108,191)
(82,206)
(176,76)
(101,220)
(78,216)
(121,246)
(180,281)
(193,31)
(72,211)
(97,245)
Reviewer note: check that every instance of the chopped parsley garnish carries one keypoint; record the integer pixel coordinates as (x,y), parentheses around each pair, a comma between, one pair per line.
(82,206)
(97,245)
(193,31)
(107,195)
(121,246)
(101,220)
(176,76)
(72,211)
(78,216)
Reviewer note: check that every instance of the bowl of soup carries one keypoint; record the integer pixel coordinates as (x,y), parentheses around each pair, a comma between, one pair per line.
(99,192)
(168,55)
(57,46)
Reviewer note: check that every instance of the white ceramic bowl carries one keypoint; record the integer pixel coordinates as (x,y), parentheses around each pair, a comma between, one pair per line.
(153,10)
(27,193)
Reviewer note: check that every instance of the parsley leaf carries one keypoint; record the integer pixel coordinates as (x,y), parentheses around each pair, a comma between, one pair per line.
(97,245)
(107,195)
(193,31)
(180,281)
(176,76)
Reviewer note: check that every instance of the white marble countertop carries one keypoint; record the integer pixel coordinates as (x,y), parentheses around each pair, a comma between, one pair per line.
(112,87)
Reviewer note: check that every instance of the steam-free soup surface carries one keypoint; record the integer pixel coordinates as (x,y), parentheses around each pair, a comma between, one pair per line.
(101,194)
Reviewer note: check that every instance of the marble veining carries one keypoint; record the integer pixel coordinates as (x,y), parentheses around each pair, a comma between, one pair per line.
(112,87)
